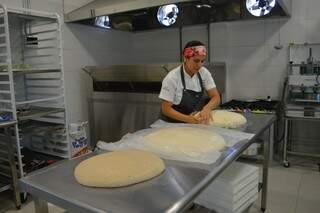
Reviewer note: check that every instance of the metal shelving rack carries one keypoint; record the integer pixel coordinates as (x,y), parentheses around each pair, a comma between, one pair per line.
(301,95)
(32,83)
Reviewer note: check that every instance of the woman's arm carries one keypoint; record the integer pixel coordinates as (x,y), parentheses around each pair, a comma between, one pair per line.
(167,110)
(214,102)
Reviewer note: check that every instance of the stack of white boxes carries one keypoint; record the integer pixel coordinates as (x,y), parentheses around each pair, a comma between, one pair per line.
(233,191)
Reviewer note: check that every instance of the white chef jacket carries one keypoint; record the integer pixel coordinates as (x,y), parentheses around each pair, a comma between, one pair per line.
(172,86)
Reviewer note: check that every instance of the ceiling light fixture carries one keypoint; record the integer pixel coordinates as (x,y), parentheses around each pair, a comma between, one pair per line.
(102,21)
(167,14)
(260,7)
(204,6)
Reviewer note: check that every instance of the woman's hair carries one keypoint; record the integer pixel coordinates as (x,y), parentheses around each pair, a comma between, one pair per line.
(193,44)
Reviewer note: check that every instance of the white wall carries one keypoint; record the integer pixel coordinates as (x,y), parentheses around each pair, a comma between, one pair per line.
(87,46)
(163,45)
(82,45)
(255,68)
(252,62)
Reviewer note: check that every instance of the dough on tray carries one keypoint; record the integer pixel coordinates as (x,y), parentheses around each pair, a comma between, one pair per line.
(119,168)
(227,119)
(184,141)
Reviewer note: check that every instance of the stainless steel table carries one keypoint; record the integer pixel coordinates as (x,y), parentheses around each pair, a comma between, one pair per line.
(172,191)
(6,125)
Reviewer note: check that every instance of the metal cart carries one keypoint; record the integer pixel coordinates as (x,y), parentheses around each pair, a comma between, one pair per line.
(12,182)
(287,141)
(31,82)
(301,98)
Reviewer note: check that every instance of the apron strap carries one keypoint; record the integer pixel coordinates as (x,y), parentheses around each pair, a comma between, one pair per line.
(184,82)
(200,80)
(182,77)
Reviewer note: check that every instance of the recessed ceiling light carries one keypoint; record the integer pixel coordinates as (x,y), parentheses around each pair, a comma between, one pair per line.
(167,14)
(260,7)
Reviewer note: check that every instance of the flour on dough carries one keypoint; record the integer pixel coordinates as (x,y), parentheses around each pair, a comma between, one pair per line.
(119,168)
(226,119)
(184,141)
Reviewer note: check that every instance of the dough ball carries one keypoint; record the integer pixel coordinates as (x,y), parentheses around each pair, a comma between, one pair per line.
(226,119)
(184,141)
(119,168)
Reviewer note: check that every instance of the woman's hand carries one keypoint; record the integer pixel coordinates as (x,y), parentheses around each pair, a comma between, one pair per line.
(206,115)
(195,118)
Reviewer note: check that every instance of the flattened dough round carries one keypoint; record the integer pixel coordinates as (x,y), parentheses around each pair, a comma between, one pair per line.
(226,119)
(119,168)
(184,140)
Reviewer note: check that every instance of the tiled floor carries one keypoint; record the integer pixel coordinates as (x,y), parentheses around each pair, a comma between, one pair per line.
(290,190)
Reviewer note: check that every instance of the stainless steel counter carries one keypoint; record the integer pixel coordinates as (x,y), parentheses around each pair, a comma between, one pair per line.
(172,191)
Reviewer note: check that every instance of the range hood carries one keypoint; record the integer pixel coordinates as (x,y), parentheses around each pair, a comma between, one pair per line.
(139,15)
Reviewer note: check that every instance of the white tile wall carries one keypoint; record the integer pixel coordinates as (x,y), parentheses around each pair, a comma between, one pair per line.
(312,27)
(312,9)
(220,53)
(12,3)
(299,8)
(155,46)
(255,68)
(275,57)
(54,6)
(79,89)
(194,33)
(89,46)
(246,33)
(220,35)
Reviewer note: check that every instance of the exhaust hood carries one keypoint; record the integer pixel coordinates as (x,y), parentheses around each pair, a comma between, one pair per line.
(139,15)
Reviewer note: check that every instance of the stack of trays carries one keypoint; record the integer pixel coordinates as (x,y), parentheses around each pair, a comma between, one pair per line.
(233,191)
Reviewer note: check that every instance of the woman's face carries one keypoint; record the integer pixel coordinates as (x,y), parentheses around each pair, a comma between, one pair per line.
(193,64)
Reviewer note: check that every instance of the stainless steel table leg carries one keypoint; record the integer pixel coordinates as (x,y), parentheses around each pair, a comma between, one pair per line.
(13,168)
(271,144)
(266,154)
(41,206)
(93,141)
(285,142)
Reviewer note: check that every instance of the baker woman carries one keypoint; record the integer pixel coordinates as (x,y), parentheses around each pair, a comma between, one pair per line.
(183,89)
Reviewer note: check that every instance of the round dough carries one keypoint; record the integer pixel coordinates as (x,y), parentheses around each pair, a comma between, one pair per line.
(184,141)
(119,168)
(226,119)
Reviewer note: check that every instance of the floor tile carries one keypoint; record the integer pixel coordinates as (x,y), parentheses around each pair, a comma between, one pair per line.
(283,185)
(29,208)
(309,193)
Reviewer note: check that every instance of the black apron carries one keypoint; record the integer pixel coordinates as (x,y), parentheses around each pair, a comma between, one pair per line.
(191,101)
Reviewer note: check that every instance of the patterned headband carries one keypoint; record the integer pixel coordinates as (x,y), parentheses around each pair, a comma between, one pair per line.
(196,50)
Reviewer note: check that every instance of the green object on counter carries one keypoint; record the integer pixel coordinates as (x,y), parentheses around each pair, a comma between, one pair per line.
(21,66)
(3,68)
